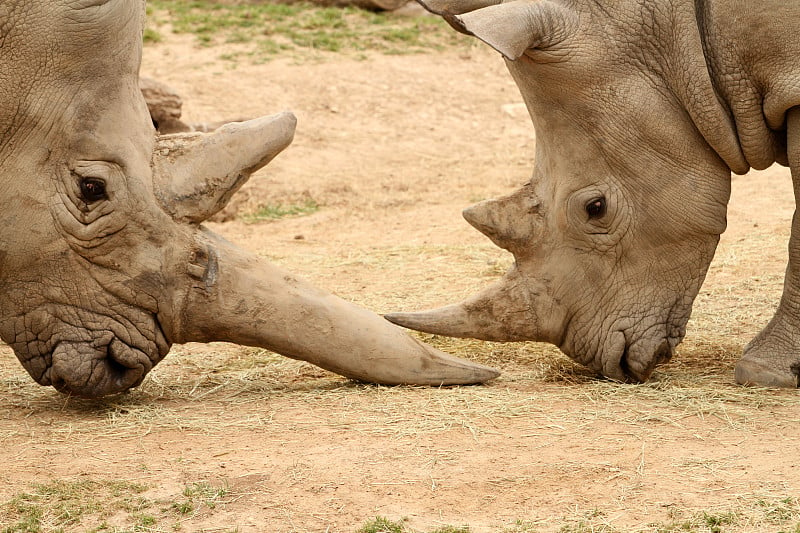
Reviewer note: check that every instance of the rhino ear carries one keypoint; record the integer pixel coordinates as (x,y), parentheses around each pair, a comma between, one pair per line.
(195,174)
(510,28)
(455,7)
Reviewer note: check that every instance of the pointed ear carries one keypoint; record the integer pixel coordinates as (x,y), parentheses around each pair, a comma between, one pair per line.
(510,28)
(195,174)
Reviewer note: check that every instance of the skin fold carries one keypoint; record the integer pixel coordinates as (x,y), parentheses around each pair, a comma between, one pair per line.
(104,262)
(642,110)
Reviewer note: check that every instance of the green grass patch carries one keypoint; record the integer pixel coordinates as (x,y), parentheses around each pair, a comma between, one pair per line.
(87,505)
(270,30)
(203,495)
(152,36)
(380,524)
(59,504)
(780,515)
(279,211)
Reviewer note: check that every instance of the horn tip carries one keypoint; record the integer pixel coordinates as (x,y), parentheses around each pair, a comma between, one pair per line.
(444,369)
(479,216)
(457,371)
(485,373)
(472,214)
(407,320)
(441,321)
(288,118)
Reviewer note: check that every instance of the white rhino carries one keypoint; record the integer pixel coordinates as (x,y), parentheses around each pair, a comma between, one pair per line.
(642,109)
(104,262)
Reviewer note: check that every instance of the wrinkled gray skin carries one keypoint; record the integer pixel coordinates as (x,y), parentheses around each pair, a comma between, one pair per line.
(642,109)
(103,261)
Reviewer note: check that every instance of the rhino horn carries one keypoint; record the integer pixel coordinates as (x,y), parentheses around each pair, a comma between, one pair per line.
(510,222)
(511,28)
(197,173)
(240,298)
(502,312)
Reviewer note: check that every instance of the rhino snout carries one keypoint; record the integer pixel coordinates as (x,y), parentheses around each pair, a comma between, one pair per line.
(94,369)
(637,369)
(626,359)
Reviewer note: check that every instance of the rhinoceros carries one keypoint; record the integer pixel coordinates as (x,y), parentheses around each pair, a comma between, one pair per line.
(642,109)
(104,262)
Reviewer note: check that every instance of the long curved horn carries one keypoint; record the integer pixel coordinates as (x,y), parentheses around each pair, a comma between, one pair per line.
(196,174)
(502,312)
(240,298)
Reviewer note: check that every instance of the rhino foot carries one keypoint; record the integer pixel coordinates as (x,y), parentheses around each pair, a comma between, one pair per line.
(772,359)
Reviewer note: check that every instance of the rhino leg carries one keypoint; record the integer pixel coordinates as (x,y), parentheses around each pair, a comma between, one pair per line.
(772,359)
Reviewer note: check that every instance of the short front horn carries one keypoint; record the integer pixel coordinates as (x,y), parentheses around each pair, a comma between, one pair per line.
(197,173)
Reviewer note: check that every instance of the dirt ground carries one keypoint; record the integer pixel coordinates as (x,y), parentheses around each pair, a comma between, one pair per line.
(392,148)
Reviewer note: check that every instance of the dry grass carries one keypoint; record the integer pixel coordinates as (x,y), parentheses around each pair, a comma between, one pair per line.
(212,390)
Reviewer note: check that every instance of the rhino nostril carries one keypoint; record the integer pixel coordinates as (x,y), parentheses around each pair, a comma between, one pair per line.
(89,370)
(116,372)
(638,368)
(663,353)
(55,381)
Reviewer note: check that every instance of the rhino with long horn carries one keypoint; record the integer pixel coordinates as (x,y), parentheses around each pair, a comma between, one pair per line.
(104,262)
(641,112)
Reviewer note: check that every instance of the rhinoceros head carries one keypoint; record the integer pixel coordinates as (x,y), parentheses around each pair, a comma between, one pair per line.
(103,261)
(614,233)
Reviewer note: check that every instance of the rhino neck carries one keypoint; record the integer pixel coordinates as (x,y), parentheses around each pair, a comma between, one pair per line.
(677,54)
(752,57)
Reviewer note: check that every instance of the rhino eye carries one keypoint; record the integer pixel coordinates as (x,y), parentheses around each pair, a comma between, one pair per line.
(93,189)
(596,208)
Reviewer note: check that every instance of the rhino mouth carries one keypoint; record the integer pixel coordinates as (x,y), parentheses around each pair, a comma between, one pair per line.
(57,350)
(637,369)
(632,359)
(98,368)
